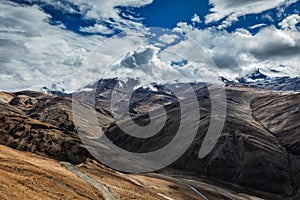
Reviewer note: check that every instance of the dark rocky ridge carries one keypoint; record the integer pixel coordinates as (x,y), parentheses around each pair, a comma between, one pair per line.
(280,114)
(44,135)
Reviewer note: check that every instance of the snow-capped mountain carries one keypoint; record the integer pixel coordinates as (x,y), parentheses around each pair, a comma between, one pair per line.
(55,89)
(259,79)
(253,77)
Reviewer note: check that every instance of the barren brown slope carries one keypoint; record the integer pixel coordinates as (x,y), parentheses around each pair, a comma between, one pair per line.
(28,176)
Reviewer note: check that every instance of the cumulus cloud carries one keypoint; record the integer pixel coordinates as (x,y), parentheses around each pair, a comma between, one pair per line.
(101,12)
(239,52)
(196,19)
(137,58)
(168,38)
(275,44)
(98,64)
(231,9)
(290,22)
(228,21)
(33,53)
(149,64)
(105,10)
(97,28)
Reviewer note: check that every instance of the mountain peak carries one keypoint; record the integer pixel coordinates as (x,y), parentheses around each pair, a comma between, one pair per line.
(252,77)
(55,89)
(257,75)
(259,79)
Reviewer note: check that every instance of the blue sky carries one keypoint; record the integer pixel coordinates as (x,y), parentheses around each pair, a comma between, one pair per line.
(46,41)
(162,13)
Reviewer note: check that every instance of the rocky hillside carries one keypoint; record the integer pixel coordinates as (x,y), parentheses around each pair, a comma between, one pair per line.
(257,152)
(247,153)
(280,115)
(46,133)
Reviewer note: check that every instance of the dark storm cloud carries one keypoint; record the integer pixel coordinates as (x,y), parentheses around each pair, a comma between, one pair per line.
(276,50)
(226,62)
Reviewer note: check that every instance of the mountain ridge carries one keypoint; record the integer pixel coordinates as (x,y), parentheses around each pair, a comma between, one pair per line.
(249,152)
(259,79)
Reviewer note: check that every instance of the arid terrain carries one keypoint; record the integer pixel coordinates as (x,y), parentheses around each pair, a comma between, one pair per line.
(256,157)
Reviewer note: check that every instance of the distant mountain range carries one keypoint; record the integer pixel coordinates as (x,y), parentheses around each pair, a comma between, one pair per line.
(258,79)
(253,79)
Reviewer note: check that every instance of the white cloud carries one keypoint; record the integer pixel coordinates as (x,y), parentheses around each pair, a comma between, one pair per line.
(228,21)
(239,52)
(99,62)
(227,8)
(257,26)
(97,28)
(290,22)
(100,11)
(105,10)
(168,38)
(136,58)
(33,53)
(182,27)
(149,65)
(196,19)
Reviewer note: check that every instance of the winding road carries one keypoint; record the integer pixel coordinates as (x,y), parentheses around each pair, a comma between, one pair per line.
(99,186)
